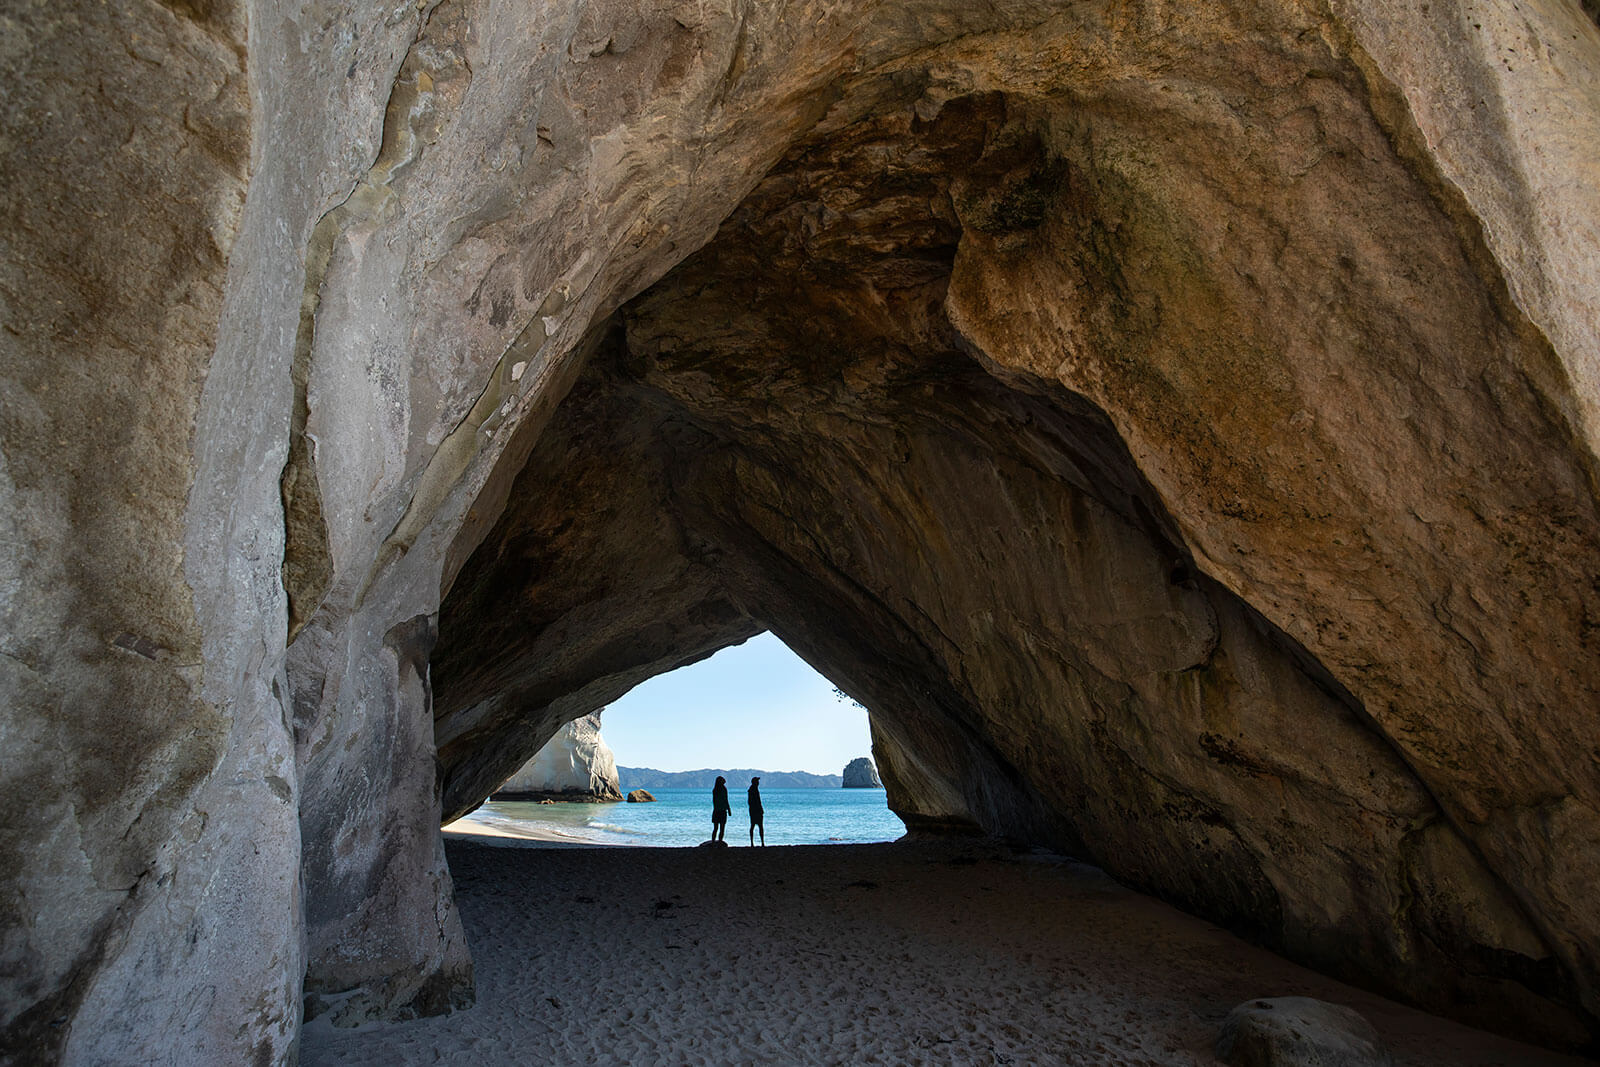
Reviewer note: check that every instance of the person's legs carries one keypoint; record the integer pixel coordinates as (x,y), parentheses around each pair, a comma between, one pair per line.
(763,827)
(752,831)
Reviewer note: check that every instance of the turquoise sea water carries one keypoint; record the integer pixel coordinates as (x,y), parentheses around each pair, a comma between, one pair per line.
(681,817)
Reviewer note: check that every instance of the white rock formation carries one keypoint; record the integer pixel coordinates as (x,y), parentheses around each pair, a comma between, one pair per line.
(576,761)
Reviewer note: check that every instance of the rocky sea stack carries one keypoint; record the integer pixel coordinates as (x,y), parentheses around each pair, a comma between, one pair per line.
(861,774)
(1178,424)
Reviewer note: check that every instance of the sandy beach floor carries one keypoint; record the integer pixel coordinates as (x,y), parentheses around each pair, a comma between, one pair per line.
(895,954)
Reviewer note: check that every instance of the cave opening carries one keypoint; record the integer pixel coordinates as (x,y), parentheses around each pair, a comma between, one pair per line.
(752,710)
(755,704)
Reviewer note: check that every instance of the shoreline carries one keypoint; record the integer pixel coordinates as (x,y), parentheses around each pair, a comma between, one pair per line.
(468,828)
(679,818)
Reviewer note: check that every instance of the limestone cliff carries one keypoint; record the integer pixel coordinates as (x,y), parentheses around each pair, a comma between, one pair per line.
(575,764)
(1177,423)
(861,774)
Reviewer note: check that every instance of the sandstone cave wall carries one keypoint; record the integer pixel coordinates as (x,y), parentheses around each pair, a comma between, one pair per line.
(532,169)
(586,587)
(1436,453)
(149,831)
(291,290)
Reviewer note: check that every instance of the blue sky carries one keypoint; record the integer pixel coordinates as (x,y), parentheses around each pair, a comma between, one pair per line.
(754,705)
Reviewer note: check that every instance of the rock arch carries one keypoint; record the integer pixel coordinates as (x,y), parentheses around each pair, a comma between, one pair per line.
(1184,420)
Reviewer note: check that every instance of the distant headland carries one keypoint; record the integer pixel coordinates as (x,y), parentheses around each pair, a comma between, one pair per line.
(649,778)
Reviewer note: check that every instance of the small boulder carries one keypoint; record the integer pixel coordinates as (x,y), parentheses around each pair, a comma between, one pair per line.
(712,844)
(1299,1032)
(640,796)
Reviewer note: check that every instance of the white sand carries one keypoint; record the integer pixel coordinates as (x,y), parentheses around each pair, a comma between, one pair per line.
(897,954)
(470,827)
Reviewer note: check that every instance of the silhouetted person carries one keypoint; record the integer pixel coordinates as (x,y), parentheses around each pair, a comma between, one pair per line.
(720,809)
(755,812)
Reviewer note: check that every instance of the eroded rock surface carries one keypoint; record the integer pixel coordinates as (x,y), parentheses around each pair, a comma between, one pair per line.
(1299,1032)
(575,764)
(149,905)
(1177,424)
(861,774)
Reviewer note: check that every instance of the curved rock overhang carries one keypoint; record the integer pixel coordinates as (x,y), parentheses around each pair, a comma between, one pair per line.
(1190,457)
(1159,460)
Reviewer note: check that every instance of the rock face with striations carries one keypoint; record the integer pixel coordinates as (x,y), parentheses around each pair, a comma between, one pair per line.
(1177,423)
(575,764)
(861,774)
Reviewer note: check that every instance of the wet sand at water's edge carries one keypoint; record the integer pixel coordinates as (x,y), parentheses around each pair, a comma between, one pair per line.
(948,953)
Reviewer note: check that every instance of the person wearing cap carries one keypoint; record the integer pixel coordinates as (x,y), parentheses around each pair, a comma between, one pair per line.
(755,812)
